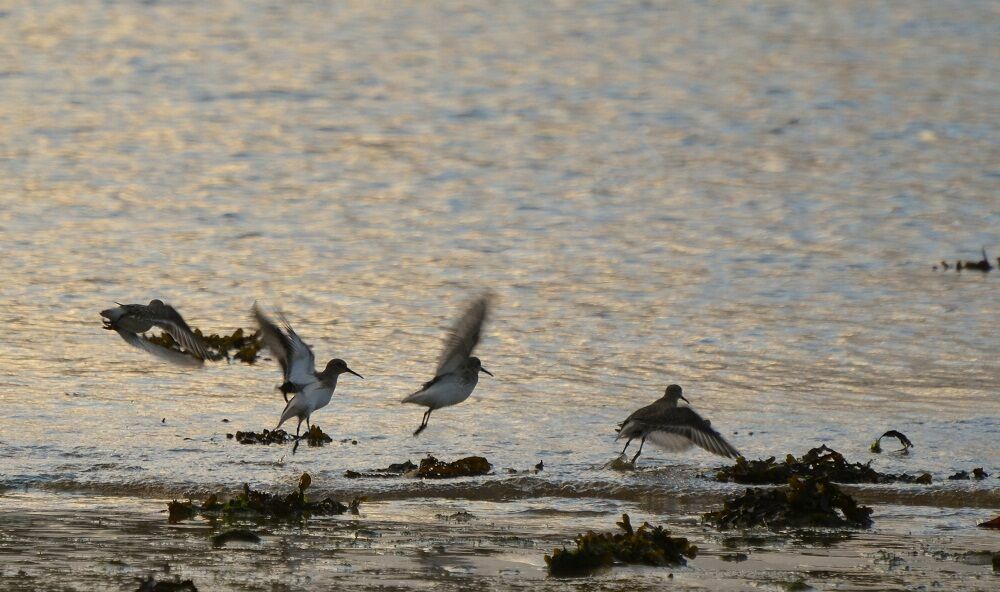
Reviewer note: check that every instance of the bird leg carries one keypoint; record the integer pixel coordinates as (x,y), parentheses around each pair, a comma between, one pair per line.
(297,437)
(423,422)
(626,447)
(641,442)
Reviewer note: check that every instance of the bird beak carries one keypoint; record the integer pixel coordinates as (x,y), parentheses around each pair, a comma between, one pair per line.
(356,374)
(685,400)
(481,369)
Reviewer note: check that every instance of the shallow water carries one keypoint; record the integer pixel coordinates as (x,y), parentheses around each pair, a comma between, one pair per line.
(746,201)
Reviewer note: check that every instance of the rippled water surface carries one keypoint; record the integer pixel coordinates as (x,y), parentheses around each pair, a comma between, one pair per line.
(744,200)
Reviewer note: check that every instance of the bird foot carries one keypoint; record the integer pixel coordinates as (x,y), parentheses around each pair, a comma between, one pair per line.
(420,429)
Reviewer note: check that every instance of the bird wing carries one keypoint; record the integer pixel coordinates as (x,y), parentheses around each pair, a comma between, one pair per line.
(464,335)
(168,319)
(644,413)
(302,361)
(685,422)
(273,339)
(298,364)
(164,353)
(670,442)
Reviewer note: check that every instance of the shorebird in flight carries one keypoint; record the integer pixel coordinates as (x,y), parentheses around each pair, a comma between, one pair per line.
(458,370)
(672,428)
(312,390)
(130,321)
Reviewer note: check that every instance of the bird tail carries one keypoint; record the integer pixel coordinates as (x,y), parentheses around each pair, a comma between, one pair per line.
(291,410)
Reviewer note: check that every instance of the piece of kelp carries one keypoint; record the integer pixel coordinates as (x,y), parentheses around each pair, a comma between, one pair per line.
(238,535)
(821,462)
(876,446)
(806,501)
(314,437)
(239,345)
(261,504)
(470,466)
(176,585)
(649,545)
(393,470)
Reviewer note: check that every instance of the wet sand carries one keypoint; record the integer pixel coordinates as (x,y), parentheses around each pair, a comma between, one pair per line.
(84,542)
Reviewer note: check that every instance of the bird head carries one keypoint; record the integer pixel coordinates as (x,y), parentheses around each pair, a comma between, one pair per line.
(674,393)
(476,364)
(337,367)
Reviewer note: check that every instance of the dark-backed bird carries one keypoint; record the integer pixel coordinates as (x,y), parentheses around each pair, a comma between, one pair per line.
(312,390)
(672,428)
(130,321)
(458,370)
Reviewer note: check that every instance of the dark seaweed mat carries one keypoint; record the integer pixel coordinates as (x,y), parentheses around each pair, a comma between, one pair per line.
(649,545)
(430,468)
(261,504)
(805,502)
(978,474)
(822,462)
(314,437)
(151,585)
(470,466)
(393,470)
(244,347)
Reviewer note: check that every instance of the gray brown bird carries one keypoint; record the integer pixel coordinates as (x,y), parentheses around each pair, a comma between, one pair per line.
(672,428)
(458,370)
(312,390)
(130,321)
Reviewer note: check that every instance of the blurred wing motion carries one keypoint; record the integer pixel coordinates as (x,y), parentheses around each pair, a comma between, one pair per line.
(168,319)
(676,429)
(464,336)
(298,364)
(164,353)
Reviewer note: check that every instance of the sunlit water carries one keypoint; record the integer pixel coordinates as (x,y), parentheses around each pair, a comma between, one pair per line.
(746,201)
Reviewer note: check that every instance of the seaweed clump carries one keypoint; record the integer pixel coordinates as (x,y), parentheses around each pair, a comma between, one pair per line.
(244,347)
(314,437)
(393,470)
(981,265)
(265,437)
(177,585)
(261,504)
(820,463)
(470,466)
(978,474)
(649,545)
(805,502)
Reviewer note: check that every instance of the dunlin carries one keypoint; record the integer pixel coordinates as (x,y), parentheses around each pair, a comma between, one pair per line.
(458,370)
(672,428)
(312,390)
(130,321)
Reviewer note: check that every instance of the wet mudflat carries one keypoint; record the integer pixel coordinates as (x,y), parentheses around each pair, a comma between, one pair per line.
(80,542)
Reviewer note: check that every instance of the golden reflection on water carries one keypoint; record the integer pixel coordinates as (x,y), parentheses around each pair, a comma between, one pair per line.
(743,200)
